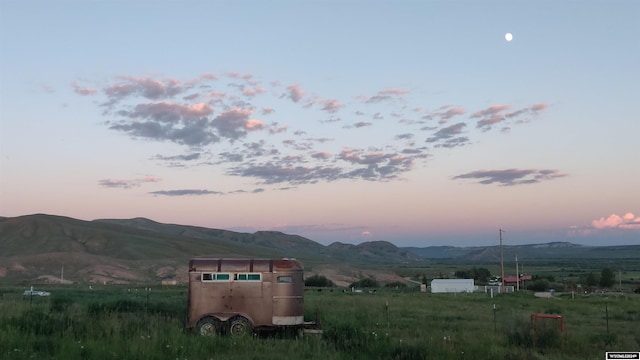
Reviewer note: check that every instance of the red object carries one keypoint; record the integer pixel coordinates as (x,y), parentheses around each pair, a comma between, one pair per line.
(535,317)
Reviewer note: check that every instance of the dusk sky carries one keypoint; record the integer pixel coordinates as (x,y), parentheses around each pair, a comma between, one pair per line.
(414,122)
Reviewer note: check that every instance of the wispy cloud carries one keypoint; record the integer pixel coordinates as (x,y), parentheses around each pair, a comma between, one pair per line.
(495,114)
(81,90)
(187,192)
(127,183)
(511,177)
(188,157)
(445,113)
(383,95)
(447,137)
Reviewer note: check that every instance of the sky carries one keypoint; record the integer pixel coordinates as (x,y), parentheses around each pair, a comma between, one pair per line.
(414,122)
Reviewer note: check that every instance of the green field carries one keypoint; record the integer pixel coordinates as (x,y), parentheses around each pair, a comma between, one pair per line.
(116,322)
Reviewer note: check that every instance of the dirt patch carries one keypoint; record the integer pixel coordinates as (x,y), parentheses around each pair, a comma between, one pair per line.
(111,275)
(99,279)
(50,279)
(165,271)
(344,276)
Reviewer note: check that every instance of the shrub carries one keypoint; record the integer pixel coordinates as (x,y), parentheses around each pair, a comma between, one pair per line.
(607,278)
(539,285)
(366,283)
(318,281)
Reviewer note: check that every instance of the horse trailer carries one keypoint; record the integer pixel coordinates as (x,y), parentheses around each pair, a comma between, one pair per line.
(239,296)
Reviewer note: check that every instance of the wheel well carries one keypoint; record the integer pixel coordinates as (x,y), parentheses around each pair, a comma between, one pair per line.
(226,318)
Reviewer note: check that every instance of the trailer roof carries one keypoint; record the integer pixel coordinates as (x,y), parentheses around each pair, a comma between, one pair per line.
(246,265)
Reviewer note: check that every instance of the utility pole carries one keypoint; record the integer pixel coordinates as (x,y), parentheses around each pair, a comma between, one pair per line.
(517,275)
(620,279)
(501,261)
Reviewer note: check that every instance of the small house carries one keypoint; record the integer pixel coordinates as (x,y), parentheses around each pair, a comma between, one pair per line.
(452,285)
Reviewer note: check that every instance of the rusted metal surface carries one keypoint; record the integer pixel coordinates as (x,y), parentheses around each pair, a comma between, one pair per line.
(265,292)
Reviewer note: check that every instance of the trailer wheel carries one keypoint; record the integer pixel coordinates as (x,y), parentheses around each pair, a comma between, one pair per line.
(239,326)
(209,326)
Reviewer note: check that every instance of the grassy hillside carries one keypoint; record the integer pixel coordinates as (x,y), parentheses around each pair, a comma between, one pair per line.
(47,248)
(41,245)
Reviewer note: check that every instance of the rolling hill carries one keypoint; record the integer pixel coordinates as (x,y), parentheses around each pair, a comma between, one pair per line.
(53,248)
(48,248)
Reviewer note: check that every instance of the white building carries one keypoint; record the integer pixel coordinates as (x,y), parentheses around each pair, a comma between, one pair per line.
(452,285)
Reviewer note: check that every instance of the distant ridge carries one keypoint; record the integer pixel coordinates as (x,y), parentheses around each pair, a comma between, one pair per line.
(35,247)
(551,250)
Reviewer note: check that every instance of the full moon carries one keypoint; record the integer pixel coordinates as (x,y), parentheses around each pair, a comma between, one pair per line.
(508,36)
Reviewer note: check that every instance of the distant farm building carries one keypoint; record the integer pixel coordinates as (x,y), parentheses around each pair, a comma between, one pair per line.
(452,285)
(515,280)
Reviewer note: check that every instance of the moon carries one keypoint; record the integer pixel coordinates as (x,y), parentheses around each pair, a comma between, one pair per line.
(508,36)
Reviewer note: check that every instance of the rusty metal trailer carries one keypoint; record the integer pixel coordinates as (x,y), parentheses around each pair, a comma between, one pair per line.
(239,296)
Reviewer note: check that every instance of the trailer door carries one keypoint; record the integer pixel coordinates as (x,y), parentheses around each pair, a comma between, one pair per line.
(288,302)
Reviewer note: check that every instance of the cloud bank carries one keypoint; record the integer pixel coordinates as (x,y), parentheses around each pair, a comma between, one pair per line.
(244,125)
(627,221)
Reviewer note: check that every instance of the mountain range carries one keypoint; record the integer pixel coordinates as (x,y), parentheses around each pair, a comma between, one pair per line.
(44,248)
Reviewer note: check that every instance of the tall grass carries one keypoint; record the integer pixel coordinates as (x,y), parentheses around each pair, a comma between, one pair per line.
(127,323)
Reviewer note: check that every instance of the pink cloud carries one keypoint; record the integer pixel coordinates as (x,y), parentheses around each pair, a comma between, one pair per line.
(80,90)
(253,92)
(147,87)
(295,93)
(489,116)
(234,123)
(497,113)
(615,221)
(254,124)
(446,113)
(330,105)
(393,91)
(216,94)
(237,75)
(321,155)
(170,111)
(267,110)
(382,95)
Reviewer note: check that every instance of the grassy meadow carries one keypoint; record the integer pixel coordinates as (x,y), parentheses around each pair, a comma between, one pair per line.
(119,322)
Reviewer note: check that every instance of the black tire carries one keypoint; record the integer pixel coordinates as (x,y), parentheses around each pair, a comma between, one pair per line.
(209,326)
(239,327)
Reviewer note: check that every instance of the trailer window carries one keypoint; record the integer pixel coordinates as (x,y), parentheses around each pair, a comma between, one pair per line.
(215,277)
(285,279)
(247,277)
